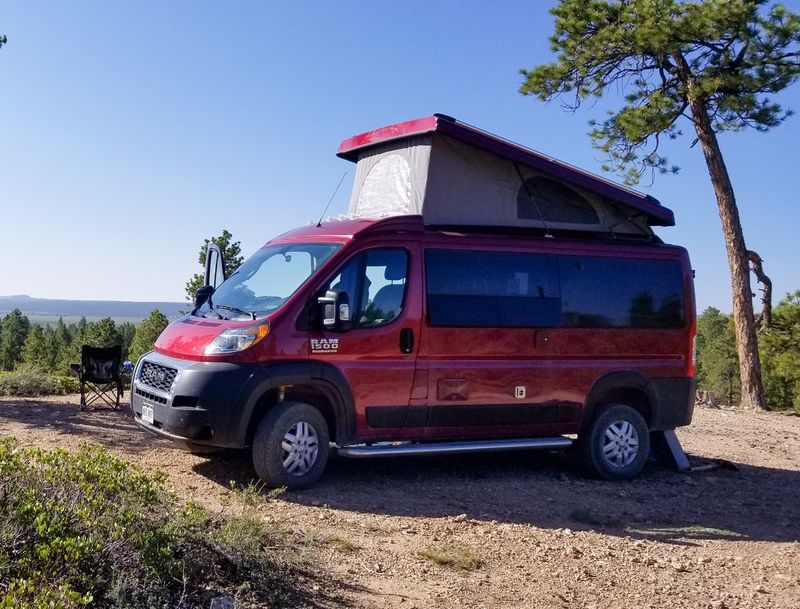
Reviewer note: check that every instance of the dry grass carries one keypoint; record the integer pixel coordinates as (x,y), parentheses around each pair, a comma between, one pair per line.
(454,555)
(344,544)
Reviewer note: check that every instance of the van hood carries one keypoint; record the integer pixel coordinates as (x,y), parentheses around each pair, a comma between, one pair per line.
(189,336)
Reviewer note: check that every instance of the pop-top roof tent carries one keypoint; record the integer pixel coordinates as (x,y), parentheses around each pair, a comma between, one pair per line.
(454,174)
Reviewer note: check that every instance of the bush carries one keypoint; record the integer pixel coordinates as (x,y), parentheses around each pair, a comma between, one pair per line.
(455,556)
(33,382)
(88,529)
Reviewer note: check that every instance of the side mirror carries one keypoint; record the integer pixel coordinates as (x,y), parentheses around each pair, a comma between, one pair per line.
(215,265)
(335,307)
(202,295)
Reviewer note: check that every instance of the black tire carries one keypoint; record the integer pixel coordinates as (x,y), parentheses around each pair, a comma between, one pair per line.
(615,458)
(268,450)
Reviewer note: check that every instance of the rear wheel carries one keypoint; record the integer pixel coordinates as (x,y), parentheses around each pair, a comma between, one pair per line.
(616,444)
(291,446)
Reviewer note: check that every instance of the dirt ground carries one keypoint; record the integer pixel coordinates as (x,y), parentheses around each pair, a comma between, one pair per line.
(524,529)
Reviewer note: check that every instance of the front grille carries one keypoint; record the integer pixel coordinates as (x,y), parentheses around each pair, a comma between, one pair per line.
(157,376)
(151,396)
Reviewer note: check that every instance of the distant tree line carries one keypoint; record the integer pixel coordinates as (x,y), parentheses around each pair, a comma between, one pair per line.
(779,349)
(52,348)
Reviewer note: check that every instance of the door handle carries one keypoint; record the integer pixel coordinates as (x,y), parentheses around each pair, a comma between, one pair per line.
(406,340)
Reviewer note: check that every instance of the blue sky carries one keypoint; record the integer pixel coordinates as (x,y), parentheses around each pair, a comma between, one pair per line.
(130,131)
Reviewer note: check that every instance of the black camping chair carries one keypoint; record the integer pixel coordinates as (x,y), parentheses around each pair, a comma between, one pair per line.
(100,375)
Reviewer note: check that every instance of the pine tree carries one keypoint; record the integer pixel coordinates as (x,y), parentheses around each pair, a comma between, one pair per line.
(14,332)
(34,350)
(102,333)
(713,63)
(780,350)
(717,362)
(54,348)
(231,252)
(126,331)
(146,334)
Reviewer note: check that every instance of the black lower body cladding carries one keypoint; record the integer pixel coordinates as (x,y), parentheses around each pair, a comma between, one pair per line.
(674,403)
(206,403)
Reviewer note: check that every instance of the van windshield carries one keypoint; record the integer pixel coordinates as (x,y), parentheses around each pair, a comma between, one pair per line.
(266,280)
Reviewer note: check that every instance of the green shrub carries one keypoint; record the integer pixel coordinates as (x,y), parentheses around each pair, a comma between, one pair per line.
(32,382)
(91,530)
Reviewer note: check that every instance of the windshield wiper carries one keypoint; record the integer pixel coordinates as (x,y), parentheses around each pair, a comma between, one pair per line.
(210,308)
(236,310)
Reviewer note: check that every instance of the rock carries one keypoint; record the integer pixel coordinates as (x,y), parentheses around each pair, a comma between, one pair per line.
(679,566)
(573,551)
(460,518)
(222,602)
(718,604)
(760,589)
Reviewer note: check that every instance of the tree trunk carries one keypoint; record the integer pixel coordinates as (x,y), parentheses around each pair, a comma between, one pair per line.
(757,266)
(743,317)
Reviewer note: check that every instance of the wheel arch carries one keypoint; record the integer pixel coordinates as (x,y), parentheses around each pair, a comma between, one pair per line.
(326,390)
(625,387)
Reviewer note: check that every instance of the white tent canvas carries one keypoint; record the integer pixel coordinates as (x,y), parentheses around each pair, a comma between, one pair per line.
(452,182)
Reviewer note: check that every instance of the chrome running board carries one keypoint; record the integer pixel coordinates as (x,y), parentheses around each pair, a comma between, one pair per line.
(396,449)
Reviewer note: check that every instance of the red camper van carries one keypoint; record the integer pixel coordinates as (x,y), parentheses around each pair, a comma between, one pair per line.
(478,296)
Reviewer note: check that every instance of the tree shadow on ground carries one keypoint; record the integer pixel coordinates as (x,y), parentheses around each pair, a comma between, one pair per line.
(99,425)
(547,490)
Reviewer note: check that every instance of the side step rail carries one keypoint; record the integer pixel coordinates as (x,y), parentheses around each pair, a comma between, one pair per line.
(395,449)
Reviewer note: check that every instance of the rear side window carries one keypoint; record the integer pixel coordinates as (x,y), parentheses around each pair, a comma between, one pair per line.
(621,293)
(500,289)
(505,289)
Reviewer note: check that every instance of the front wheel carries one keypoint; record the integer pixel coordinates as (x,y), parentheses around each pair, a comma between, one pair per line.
(616,444)
(291,446)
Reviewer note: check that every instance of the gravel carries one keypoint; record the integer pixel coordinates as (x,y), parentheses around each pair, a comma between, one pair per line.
(538,533)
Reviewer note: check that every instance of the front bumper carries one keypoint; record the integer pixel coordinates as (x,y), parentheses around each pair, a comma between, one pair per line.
(203,404)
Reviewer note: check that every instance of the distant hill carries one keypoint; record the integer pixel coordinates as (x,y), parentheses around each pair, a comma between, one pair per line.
(42,310)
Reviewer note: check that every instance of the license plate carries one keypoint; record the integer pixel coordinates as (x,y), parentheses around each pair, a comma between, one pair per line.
(147,414)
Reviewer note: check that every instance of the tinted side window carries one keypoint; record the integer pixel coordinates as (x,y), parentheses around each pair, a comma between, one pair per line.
(618,292)
(384,290)
(375,283)
(500,289)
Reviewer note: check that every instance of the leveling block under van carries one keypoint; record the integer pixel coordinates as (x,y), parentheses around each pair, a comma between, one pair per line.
(480,296)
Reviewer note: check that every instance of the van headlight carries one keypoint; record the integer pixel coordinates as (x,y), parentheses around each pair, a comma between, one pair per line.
(234,340)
